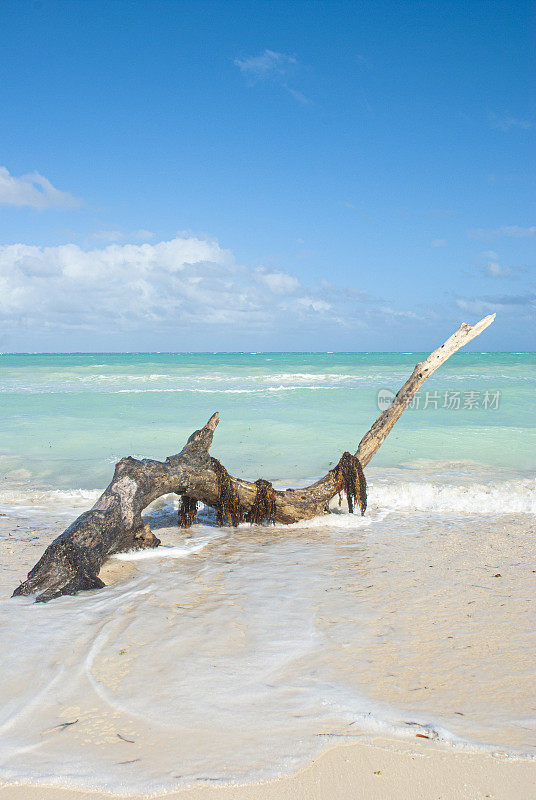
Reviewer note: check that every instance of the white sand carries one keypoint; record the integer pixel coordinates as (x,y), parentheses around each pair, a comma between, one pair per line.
(382,770)
(458,626)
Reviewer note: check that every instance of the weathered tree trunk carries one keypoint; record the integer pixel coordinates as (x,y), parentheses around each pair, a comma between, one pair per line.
(72,561)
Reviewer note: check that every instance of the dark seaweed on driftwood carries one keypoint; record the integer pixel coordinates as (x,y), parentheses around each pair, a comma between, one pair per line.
(264,505)
(71,563)
(350,479)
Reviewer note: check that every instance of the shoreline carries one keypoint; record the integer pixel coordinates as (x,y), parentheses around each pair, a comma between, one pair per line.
(404,602)
(380,769)
(445,578)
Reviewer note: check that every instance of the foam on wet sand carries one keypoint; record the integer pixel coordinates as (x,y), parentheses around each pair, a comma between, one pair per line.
(254,650)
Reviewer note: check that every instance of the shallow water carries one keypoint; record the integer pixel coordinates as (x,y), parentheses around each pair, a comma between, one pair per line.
(66,419)
(239,654)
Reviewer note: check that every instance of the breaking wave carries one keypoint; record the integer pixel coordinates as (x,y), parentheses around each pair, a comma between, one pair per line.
(509,497)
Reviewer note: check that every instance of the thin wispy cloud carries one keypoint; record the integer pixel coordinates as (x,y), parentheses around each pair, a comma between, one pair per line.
(496,270)
(513,231)
(33,191)
(393,312)
(506,123)
(520,305)
(492,266)
(119,235)
(438,243)
(271,67)
(109,236)
(266,65)
(353,207)
(363,61)
(299,96)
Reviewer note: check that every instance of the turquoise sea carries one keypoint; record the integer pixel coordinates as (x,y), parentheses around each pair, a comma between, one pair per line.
(66,418)
(239,654)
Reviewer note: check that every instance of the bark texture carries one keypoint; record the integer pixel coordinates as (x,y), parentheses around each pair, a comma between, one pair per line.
(72,561)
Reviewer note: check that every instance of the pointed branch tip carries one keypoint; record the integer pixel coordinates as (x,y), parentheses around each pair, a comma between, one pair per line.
(213,421)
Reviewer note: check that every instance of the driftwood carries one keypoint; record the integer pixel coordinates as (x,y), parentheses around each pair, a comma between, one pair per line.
(72,561)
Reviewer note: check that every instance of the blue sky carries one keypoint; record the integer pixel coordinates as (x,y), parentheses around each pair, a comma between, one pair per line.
(265,175)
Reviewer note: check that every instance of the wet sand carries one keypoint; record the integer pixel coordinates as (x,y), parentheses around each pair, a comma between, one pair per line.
(22,542)
(482,634)
(380,770)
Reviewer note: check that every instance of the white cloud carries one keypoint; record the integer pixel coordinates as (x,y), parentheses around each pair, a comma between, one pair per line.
(109,236)
(391,312)
(520,305)
(271,67)
(34,191)
(495,270)
(490,264)
(118,235)
(438,243)
(517,231)
(277,282)
(266,65)
(312,303)
(123,287)
(301,98)
(187,287)
(513,231)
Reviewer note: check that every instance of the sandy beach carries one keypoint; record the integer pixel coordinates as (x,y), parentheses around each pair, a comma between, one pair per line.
(378,770)
(267,400)
(384,655)
(444,640)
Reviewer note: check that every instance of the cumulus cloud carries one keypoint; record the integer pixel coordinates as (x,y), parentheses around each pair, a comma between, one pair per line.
(122,287)
(277,282)
(186,287)
(32,190)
